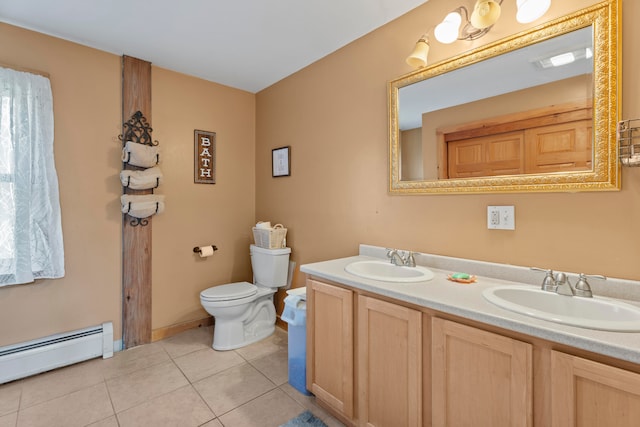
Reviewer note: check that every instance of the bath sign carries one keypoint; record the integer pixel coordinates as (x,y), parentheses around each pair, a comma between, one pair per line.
(205,157)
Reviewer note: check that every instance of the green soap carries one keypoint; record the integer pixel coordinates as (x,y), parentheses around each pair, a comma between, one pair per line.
(460,276)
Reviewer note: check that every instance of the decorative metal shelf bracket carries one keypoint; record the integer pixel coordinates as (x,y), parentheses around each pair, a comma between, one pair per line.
(137,129)
(139,221)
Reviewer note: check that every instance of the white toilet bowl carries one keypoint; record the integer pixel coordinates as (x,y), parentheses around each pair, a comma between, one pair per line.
(244,313)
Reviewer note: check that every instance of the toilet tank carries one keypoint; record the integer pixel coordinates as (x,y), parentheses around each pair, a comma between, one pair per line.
(270,266)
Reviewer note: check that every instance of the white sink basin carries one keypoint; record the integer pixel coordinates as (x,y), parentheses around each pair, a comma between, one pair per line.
(591,313)
(387,272)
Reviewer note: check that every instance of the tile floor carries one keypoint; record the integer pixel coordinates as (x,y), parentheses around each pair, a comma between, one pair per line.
(180,381)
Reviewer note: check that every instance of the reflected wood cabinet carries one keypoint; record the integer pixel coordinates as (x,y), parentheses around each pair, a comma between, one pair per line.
(554,139)
(378,362)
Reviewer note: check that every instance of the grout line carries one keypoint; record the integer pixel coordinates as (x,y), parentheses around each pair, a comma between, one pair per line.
(113,408)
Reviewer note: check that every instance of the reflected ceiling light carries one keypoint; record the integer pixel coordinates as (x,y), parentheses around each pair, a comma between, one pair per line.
(588,53)
(562,59)
(460,25)
(565,58)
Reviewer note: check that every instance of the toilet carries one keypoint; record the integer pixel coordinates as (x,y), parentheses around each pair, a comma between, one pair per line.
(244,313)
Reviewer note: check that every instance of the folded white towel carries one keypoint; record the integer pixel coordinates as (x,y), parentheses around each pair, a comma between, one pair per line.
(142,206)
(141,155)
(142,179)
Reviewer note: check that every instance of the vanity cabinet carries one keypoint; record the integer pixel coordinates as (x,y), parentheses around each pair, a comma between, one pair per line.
(373,361)
(330,346)
(589,394)
(480,376)
(389,364)
(388,361)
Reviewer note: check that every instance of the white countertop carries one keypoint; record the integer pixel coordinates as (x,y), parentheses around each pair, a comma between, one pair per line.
(466,300)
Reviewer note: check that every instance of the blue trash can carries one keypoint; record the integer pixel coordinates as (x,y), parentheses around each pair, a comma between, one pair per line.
(295,314)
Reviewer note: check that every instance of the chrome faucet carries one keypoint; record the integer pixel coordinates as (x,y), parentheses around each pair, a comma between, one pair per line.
(563,285)
(401,260)
(395,257)
(582,287)
(549,282)
(559,283)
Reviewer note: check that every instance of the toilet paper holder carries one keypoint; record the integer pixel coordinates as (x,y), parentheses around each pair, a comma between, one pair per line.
(197,249)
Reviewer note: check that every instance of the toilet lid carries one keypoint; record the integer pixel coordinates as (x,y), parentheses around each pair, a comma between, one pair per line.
(229,292)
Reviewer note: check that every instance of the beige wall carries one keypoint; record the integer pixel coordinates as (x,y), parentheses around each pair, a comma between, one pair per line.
(87,109)
(86,86)
(334,115)
(201,214)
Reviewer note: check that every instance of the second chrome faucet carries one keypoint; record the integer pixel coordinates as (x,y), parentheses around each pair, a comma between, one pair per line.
(404,260)
(559,283)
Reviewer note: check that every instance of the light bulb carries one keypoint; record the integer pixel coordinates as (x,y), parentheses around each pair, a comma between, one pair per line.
(530,10)
(447,31)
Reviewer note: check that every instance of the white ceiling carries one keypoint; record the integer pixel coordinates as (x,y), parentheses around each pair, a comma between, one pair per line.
(246,44)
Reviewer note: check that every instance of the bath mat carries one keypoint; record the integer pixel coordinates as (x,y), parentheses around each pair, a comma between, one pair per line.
(305,419)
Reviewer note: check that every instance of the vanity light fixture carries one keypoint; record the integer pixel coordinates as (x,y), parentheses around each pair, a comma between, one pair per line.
(462,25)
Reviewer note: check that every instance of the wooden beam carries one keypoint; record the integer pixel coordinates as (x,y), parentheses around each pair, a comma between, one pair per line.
(136,240)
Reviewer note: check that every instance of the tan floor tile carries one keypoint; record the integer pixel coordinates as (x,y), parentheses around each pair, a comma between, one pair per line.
(188,341)
(62,381)
(107,422)
(128,391)
(130,360)
(231,388)
(274,366)
(206,362)
(276,342)
(269,410)
(79,408)
(10,397)
(180,408)
(213,423)
(9,420)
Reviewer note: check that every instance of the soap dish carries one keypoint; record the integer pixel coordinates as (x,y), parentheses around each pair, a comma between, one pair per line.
(462,278)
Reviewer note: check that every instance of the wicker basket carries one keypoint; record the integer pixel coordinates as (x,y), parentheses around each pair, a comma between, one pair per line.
(270,238)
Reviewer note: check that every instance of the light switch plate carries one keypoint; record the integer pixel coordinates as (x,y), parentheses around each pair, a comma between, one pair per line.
(501,218)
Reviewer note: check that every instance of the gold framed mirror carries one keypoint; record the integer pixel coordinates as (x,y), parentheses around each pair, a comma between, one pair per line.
(425,151)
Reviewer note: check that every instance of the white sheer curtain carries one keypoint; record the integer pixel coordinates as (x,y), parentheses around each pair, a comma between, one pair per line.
(31,244)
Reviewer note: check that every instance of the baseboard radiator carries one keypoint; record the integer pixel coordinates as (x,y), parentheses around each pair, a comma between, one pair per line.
(32,357)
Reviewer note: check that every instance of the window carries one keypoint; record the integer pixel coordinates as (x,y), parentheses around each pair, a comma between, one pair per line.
(31,245)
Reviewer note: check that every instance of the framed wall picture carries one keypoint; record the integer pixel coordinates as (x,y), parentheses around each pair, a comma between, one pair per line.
(204,170)
(281,161)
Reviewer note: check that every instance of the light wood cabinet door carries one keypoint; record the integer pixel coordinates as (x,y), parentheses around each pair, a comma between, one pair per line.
(585,393)
(389,364)
(487,156)
(479,378)
(561,147)
(330,357)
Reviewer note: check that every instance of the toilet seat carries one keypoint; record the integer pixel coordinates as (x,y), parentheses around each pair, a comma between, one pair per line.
(229,292)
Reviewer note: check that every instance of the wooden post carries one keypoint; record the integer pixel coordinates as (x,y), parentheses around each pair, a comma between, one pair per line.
(136,240)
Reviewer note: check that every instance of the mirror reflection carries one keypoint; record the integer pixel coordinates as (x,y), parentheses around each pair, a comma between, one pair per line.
(536,111)
(526,111)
